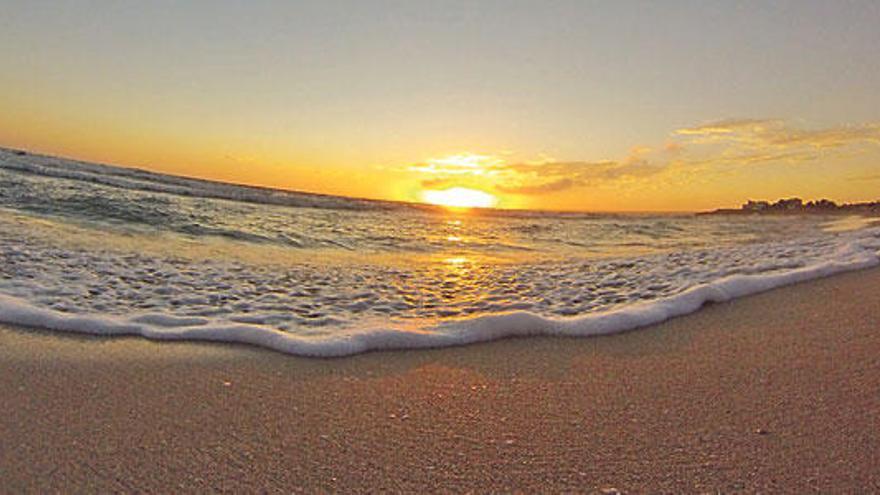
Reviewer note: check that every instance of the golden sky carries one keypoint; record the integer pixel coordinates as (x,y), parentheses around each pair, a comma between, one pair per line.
(566,106)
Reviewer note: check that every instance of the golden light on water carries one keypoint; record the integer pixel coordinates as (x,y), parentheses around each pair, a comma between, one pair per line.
(459,197)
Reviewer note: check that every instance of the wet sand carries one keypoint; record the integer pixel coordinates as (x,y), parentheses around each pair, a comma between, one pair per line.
(774,392)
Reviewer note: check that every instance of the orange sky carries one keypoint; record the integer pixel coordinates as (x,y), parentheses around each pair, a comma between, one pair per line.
(544,108)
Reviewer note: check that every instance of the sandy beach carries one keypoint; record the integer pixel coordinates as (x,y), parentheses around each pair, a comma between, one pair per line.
(773,392)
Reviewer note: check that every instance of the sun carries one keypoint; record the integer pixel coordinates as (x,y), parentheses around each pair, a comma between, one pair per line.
(459,197)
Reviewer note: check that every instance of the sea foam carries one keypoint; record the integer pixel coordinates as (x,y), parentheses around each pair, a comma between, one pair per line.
(857,252)
(104,250)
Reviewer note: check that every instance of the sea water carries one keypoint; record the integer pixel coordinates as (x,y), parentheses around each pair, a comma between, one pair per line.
(105,250)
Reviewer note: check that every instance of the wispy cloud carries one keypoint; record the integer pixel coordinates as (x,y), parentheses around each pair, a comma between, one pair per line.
(728,127)
(775,133)
(471,164)
(542,188)
(723,144)
(533,179)
(861,178)
(690,153)
(438,183)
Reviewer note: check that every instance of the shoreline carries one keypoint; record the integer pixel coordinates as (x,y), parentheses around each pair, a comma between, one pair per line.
(773,391)
(455,333)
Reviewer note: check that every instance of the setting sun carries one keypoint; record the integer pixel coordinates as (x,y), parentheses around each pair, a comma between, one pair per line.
(460,197)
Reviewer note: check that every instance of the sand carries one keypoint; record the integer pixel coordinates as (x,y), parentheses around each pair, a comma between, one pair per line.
(774,392)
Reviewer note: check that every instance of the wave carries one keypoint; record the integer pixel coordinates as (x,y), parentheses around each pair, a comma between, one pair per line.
(17,311)
(135,179)
(143,180)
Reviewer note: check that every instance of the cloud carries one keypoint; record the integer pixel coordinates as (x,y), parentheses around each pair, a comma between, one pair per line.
(673,148)
(544,178)
(691,154)
(826,138)
(775,133)
(464,164)
(728,126)
(544,188)
(745,142)
(753,157)
(861,178)
(436,183)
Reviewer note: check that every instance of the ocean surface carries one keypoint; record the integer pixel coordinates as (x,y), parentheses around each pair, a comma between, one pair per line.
(104,250)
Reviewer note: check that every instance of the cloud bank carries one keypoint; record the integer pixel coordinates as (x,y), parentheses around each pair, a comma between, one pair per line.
(690,150)
(775,133)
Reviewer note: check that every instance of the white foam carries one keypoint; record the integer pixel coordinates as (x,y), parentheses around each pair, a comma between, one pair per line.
(622,273)
(857,254)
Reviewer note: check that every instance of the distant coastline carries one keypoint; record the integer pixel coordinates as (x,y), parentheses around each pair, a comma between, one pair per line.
(797,206)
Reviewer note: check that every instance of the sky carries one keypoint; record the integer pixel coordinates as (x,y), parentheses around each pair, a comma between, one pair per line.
(562,105)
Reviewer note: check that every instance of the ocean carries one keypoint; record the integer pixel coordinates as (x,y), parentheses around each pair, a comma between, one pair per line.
(113,251)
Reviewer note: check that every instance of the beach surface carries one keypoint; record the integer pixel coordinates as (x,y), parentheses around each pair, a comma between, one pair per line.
(774,392)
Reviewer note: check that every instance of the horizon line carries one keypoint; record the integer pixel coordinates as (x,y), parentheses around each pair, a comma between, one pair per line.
(413,204)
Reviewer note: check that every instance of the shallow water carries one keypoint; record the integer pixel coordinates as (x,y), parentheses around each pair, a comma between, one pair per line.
(98,249)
